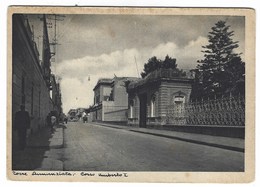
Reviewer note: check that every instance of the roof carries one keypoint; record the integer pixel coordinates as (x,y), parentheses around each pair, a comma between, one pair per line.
(108,81)
(160,75)
(103,81)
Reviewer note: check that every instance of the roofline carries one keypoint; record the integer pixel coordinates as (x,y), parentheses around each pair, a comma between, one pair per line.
(102,83)
(160,80)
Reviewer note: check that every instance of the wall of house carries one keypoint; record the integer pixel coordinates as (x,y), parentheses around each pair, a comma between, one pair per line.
(133,114)
(101,93)
(113,112)
(28,86)
(96,113)
(167,91)
(119,91)
(97,95)
(164,93)
(105,93)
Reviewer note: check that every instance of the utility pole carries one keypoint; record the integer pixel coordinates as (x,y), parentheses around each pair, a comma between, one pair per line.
(137,68)
(55,42)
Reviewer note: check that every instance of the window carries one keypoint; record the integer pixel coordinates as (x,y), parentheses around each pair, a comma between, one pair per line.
(106,98)
(39,104)
(131,108)
(153,106)
(23,91)
(179,104)
(179,99)
(32,101)
(111,96)
(14,78)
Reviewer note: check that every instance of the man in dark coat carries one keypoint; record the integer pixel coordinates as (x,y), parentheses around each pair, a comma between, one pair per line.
(48,120)
(21,124)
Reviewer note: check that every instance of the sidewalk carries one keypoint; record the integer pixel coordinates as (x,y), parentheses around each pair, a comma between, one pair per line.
(41,152)
(45,138)
(234,144)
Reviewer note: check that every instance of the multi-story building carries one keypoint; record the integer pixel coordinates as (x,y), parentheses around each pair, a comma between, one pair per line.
(31,78)
(110,100)
(55,94)
(30,86)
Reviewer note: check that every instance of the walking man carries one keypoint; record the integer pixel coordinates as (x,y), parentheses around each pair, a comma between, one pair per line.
(21,124)
(66,119)
(53,122)
(48,120)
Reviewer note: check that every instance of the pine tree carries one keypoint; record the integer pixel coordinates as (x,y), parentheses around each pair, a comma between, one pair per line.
(221,68)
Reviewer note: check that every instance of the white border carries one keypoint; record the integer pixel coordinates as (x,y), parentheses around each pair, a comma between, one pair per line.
(153,3)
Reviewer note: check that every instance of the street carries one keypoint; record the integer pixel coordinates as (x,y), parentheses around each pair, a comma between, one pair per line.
(91,147)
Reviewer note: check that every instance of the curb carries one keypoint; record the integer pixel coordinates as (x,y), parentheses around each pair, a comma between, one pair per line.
(53,164)
(231,148)
(195,141)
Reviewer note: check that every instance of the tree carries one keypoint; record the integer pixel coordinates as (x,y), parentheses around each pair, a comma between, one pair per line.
(235,76)
(221,69)
(169,63)
(154,64)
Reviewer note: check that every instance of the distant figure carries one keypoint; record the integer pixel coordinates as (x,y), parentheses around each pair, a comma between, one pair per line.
(66,119)
(21,124)
(53,122)
(85,118)
(48,120)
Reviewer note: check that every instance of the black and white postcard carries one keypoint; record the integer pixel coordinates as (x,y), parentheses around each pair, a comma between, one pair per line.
(128,94)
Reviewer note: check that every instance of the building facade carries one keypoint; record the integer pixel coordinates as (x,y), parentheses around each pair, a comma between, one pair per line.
(55,94)
(29,87)
(150,98)
(110,100)
(30,76)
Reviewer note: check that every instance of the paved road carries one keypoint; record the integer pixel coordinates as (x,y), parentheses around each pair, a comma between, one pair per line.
(91,147)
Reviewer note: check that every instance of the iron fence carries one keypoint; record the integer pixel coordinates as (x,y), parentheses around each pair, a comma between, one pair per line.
(225,111)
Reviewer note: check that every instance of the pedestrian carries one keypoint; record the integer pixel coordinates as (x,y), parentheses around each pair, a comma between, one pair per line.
(21,124)
(48,120)
(66,119)
(53,122)
(85,118)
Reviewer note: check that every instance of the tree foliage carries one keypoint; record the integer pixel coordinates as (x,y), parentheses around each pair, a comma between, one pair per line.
(221,70)
(154,64)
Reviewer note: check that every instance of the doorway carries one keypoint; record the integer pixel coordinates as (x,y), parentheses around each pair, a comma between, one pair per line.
(143,110)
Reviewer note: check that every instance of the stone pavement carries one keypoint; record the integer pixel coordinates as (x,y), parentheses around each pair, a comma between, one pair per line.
(42,151)
(234,144)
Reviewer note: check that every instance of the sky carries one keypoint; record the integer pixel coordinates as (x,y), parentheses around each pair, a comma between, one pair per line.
(102,46)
